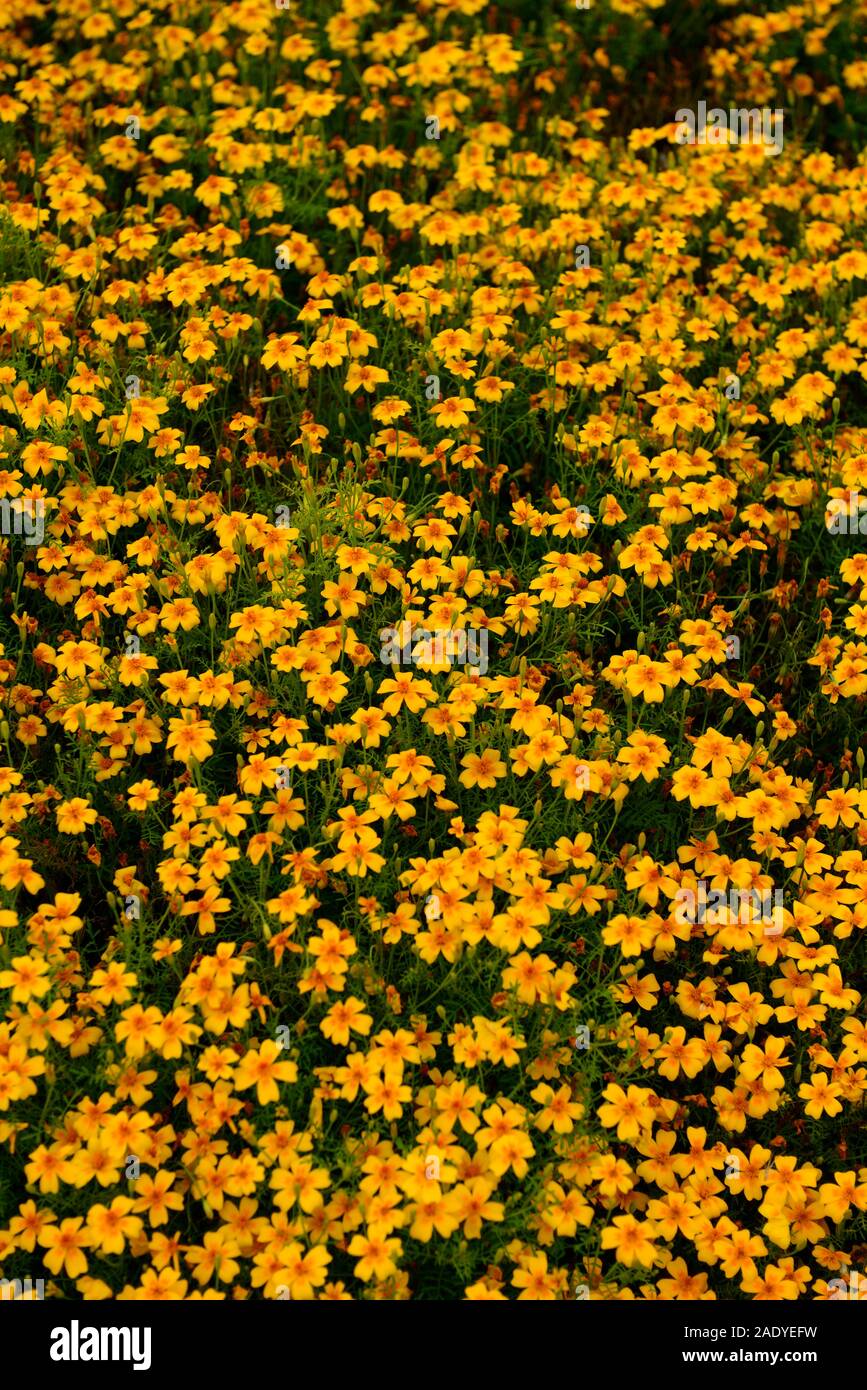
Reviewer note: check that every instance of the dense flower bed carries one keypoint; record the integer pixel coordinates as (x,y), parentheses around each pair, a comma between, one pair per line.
(432,805)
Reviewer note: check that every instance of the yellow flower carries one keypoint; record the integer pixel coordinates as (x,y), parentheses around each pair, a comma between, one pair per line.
(26,978)
(74,816)
(191,738)
(263,1069)
(631,1240)
(65,1244)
